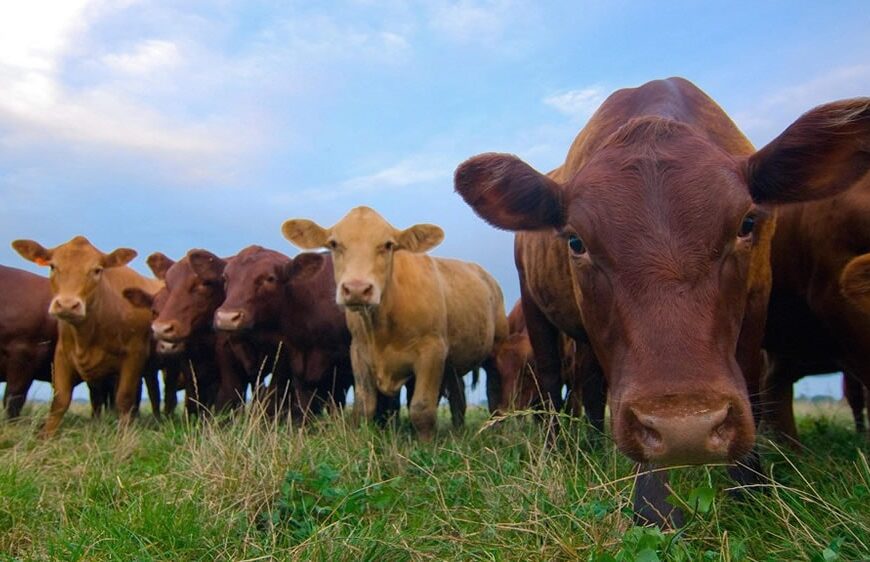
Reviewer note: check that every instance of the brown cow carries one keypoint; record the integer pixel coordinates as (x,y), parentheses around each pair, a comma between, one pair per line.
(183,313)
(99,333)
(27,334)
(514,386)
(819,314)
(653,241)
(410,314)
(272,299)
(858,397)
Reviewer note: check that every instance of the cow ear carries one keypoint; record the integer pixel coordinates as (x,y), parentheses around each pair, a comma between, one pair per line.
(304,233)
(206,265)
(159,264)
(419,238)
(855,281)
(824,152)
(119,257)
(508,193)
(32,251)
(305,266)
(138,298)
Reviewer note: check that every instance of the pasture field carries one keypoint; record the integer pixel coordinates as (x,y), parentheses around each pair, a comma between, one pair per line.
(257,490)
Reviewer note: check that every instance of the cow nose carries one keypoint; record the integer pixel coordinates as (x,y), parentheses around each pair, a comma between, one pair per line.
(164,330)
(228,319)
(169,348)
(67,307)
(357,292)
(694,436)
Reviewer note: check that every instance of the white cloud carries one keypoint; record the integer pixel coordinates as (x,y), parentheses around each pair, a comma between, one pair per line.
(34,34)
(477,21)
(146,57)
(765,119)
(577,104)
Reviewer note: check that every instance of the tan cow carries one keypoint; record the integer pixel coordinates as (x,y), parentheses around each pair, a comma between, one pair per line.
(408,313)
(99,332)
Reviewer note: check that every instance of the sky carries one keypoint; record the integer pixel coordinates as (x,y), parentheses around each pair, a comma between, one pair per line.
(165,126)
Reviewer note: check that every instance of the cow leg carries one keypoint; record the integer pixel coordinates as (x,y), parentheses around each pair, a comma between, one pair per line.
(778,394)
(20,373)
(99,397)
(853,390)
(153,385)
(547,348)
(62,382)
(594,387)
(650,500)
(429,371)
(170,390)
(365,394)
(493,385)
(129,387)
(454,387)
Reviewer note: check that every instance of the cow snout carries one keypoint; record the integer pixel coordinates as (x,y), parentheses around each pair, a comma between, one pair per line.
(229,319)
(169,347)
(165,330)
(70,309)
(691,434)
(357,293)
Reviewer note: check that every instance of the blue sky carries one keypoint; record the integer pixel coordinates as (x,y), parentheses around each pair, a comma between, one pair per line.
(171,125)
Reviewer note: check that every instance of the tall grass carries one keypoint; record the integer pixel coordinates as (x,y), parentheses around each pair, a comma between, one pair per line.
(252,488)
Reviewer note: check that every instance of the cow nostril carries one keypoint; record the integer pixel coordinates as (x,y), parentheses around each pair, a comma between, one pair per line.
(237,316)
(367,292)
(344,290)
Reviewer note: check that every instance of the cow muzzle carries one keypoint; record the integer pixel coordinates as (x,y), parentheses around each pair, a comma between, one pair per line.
(168,331)
(358,294)
(230,320)
(68,309)
(169,347)
(687,431)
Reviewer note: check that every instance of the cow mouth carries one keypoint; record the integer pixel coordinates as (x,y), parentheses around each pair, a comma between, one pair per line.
(69,317)
(169,347)
(362,308)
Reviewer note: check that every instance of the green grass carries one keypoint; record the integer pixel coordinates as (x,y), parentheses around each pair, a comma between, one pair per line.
(252,489)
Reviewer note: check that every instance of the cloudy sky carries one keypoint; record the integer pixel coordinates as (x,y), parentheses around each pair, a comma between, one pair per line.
(170,125)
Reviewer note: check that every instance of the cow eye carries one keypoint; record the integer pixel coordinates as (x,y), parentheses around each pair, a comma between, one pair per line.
(747,227)
(271,279)
(389,245)
(96,271)
(576,245)
(332,244)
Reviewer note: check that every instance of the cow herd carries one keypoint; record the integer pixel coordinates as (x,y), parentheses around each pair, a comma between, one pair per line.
(667,269)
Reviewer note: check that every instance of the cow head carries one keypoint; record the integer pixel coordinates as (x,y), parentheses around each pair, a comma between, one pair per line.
(362,246)
(254,283)
(666,234)
(143,299)
(516,387)
(189,301)
(76,273)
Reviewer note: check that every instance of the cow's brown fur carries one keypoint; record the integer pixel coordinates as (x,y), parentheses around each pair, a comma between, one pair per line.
(667,286)
(99,332)
(819,315)
(27,334)
(431,318)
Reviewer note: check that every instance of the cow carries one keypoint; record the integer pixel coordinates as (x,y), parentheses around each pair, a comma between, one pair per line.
(652,240)
(99,333)
(28,334)
(513,385)
(185,340)
(282,308)
(819,313)
(409,314)
(858,397)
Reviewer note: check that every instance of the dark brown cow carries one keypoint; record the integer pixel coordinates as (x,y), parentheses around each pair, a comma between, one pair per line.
(819,315)
(513,384)
(183,314)
(272,299)
(28,334)
(653,241)
(100,334)
(858,397)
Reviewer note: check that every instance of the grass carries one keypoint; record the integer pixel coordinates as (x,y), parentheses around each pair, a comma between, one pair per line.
(251,489)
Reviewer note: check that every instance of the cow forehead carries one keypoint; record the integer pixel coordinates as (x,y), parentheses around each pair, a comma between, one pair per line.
(77,251)
(681,189)
(253,261)
(362,225)
(179,273)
